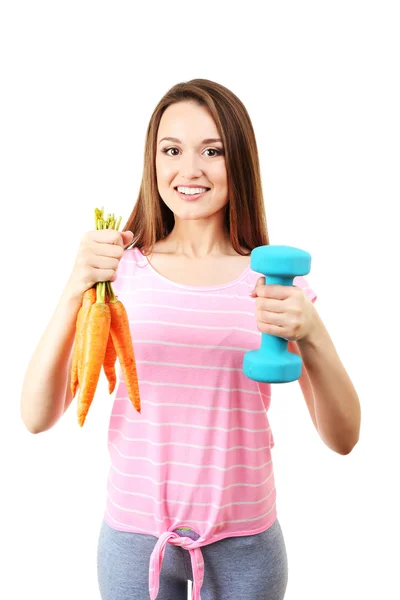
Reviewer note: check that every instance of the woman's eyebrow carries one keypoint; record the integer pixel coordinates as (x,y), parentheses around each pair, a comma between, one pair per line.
(207,141)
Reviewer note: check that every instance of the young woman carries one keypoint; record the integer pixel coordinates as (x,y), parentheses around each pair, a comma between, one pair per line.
(191,492)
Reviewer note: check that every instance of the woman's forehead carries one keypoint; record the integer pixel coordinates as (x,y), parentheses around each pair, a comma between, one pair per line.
(187,122)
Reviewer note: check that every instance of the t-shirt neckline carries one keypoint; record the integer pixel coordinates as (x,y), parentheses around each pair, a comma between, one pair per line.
(193,287)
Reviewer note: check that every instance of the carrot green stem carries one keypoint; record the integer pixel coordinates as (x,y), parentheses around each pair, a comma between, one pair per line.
(103,287)
(103,292)
(112,297)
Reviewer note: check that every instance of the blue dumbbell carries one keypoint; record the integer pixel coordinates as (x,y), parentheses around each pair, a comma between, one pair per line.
(272,362)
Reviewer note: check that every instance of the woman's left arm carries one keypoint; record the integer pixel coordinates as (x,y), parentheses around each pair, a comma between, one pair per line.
(337,409)
(286,311)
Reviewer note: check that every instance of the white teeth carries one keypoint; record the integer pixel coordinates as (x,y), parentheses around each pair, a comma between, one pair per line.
(191,191)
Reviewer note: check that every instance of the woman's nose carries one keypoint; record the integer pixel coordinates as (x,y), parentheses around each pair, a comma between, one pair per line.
(189,166)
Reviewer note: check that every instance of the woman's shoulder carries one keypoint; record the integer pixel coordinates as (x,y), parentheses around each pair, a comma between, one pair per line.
(130,265)
(131,255)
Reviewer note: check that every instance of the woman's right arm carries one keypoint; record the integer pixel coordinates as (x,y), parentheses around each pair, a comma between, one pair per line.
(45,395)
(46,392)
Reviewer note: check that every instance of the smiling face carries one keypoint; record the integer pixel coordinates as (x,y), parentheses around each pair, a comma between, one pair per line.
(191,159)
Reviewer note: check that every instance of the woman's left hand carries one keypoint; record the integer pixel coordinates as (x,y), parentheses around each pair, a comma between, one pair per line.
(283,310)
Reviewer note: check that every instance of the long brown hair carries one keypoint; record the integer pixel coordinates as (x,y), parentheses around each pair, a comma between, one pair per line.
(151,219)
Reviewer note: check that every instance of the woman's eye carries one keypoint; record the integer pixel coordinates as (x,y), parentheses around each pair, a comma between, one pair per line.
(214,150)
(166,150)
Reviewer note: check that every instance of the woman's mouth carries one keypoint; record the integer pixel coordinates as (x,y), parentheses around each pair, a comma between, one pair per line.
(191,197)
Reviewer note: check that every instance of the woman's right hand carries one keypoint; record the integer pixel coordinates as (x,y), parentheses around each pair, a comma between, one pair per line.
(97,259)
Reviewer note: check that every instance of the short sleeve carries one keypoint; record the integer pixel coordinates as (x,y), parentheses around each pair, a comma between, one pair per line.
(302,283)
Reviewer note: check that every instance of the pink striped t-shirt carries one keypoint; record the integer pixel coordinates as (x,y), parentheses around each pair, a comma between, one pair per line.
(199,453)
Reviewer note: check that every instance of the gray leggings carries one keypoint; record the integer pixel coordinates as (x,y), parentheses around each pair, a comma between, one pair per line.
(253,566)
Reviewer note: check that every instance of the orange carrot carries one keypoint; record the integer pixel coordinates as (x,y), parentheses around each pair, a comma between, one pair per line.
(88,298)
(109,364)
(121,336)
(111,355)
(97,331)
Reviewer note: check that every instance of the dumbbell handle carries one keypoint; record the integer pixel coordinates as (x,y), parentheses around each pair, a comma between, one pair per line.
(273,343)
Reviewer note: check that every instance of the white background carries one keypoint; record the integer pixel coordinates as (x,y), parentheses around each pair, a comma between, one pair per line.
(79,81)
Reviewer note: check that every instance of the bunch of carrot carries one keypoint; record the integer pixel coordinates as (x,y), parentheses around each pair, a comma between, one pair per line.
(102,334)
